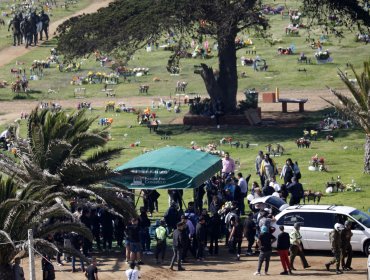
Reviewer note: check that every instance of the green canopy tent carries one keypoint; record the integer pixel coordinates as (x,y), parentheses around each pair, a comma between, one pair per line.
(168,168)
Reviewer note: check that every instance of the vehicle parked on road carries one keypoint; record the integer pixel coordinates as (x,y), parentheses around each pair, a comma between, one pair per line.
(318,220)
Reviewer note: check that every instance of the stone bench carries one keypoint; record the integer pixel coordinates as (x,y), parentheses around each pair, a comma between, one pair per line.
(284,104)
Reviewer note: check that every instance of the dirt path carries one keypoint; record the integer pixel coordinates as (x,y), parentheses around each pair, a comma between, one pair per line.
(10,110)
(213,268)
(10,53)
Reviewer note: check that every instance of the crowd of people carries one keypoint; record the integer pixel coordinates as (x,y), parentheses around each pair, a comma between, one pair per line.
(195,231)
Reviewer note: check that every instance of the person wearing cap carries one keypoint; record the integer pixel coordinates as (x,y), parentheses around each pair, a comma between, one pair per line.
(296,247)
(188,233)
(265,240)
(258,162)
(161,238)
(346,246)
(283,245)
(228,165)
(335,238)
(177,245)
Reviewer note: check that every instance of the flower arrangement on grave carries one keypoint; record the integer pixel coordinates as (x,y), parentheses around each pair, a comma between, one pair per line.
(77,80)
(317,163)
(322,55)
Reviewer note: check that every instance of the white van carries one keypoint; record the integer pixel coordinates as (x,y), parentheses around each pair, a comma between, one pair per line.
(318,220)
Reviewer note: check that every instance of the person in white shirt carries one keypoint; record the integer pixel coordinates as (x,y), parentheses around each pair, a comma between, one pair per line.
(275,184)
(243,184)
(133,273)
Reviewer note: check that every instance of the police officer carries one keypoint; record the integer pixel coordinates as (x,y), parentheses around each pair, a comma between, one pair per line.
(335,238)
(346,246)
(45,25)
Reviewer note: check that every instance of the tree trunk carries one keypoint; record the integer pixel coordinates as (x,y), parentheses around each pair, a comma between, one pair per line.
(367,155)
(223,87)
(228,78)
(6,272)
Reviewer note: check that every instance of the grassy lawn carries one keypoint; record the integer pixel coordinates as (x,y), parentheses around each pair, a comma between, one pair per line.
(282,72)
(346,163)
(6,38)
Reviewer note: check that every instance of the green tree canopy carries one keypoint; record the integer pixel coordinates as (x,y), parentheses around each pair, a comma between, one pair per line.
(127,25)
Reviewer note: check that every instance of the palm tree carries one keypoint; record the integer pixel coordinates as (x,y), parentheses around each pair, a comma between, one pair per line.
(357,108)
(20,213)
(62,154)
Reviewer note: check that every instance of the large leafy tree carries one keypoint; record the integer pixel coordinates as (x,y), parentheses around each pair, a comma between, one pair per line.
(357,107)
(128,25)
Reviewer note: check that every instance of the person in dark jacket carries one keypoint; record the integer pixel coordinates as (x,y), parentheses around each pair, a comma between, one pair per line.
(284,192)
(201,237)
(212,189)
(250,229)
(267,189)
(296,192)
(48,272)
(283,245)
(236,237)
(85,219)
(119,228)
(106,220)
(172,216)
(214,233)
(133,237)
(177,246)
(144,224)
(95,227)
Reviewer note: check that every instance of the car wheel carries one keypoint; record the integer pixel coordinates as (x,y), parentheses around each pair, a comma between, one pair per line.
(367,248)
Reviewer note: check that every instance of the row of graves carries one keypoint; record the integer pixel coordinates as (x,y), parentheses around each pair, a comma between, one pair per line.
(22,74)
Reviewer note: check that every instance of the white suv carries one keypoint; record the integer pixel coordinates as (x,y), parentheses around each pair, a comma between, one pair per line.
(318,220)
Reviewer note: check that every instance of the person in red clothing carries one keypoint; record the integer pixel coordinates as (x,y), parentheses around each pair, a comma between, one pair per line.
(283,244)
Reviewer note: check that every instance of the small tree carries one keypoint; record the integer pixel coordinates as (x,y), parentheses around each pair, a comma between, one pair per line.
(357,108)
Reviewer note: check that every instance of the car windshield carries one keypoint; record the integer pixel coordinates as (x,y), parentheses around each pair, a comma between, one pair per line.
(275,201)
(362,217)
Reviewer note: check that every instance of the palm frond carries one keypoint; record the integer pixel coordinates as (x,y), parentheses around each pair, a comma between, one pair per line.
(85,141)
(8,189)
(117,198)
(103,155)
(56,153)
(7,248)
(65,227)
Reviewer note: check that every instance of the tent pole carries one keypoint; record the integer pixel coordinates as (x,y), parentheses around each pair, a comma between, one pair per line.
(137,200)
(195,202)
